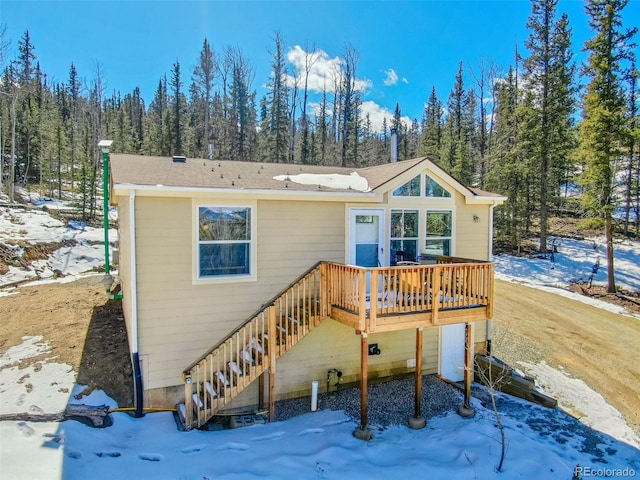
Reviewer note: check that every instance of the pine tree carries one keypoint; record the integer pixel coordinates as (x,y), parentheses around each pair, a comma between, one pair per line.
(455,147)
(632,141)
(202,83)
(601,130)
(26,60)
(349,104)
(242,110)
(431,138)
(277,136)
(178,105)
(549,77)
(73,93)
(508,174)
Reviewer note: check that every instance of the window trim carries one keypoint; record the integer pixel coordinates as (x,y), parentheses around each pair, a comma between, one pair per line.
(420,188)
(252,275)
(392,210)
(451,238)
(423,185)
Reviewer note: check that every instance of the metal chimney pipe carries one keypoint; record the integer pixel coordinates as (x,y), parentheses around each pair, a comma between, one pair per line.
(394,145)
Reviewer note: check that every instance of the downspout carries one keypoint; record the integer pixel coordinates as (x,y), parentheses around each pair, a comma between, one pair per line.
(135,359)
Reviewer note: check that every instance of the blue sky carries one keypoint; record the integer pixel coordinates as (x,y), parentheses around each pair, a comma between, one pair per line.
(421,42)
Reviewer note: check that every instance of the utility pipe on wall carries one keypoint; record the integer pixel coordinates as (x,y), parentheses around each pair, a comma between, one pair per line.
(314,395)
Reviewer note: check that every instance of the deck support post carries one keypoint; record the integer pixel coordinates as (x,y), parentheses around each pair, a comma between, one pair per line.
(261,392)
(363,432)
(272,363)
(466,410)
(418,421)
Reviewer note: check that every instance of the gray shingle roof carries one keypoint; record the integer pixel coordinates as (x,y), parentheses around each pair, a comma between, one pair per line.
(225,174)
(199,173)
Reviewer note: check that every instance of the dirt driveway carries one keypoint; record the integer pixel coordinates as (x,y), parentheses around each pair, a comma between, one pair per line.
(596,346)
(86,331)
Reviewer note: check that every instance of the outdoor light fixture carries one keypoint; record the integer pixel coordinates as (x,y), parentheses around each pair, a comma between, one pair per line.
(104,145)
(476,218)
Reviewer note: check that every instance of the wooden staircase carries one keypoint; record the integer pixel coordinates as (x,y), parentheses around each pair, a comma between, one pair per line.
(218,376)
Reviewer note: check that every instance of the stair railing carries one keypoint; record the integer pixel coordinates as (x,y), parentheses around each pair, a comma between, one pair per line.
(226,369)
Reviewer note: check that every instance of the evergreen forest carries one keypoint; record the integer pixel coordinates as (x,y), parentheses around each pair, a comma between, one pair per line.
(555,136)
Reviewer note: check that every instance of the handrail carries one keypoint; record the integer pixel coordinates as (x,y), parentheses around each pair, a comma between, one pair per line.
(225,370)
(249,319)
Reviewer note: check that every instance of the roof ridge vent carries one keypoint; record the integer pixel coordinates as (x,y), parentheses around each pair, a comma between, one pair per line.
(179,159)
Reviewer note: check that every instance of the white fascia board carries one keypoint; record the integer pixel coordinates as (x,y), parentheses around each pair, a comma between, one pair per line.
(481,200)
(191,192)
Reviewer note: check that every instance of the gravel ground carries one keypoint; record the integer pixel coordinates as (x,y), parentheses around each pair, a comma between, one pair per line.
(390,402)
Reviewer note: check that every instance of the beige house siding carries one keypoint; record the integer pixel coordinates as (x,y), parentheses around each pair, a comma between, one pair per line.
(124,266)
(334,345)
(177,320)
(472,237)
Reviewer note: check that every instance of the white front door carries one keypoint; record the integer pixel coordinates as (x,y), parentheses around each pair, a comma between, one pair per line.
(366,237)
(452,352)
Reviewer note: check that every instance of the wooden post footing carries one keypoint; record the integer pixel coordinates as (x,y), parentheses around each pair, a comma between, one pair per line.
(417,422)
(363,433)
(466,412)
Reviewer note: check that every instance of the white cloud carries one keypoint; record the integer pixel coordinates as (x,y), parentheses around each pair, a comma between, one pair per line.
(324,71)
(377,114)
(392,77)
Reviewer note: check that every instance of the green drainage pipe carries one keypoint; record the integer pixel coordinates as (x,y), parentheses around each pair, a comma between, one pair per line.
(105,196)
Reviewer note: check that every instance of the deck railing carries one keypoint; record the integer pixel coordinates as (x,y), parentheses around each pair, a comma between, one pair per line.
(364,296)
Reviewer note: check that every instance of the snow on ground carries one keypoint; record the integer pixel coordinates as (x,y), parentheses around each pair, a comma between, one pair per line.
(575,261)
(42,387)
(36,226)
(589,405)
(542,443)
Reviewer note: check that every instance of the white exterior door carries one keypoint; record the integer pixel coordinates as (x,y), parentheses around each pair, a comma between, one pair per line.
(452,352)
(366,237)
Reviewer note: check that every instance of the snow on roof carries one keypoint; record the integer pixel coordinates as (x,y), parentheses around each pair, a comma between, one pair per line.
(352,181)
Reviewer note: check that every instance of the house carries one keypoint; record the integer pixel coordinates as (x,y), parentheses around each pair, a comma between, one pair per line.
(245,281)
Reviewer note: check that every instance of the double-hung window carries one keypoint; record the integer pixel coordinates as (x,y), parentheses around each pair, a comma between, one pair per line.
(404,235)
(224,241)
(439,232)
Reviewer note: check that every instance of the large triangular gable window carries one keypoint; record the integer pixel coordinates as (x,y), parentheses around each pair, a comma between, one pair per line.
(409,189)
(434,189)
(413,188)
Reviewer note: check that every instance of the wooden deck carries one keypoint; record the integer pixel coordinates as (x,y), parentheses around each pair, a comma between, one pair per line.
(369,300)
(397,298)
